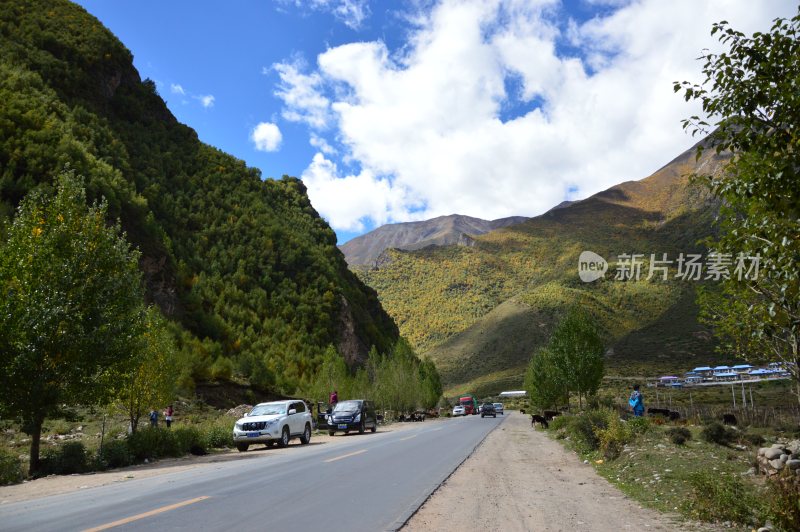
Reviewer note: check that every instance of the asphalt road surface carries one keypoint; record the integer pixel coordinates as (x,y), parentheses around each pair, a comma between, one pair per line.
(365,482)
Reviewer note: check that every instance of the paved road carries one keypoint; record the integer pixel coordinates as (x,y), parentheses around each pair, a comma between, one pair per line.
(365,482)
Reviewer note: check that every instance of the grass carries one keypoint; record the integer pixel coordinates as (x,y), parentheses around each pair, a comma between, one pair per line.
(695,478)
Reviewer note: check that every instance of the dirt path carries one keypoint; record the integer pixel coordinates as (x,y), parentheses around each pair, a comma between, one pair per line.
(519,479)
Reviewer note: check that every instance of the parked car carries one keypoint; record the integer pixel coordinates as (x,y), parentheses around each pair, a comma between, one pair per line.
(487,409)
(498,407)
(354,414)
(274,422)
(458,410)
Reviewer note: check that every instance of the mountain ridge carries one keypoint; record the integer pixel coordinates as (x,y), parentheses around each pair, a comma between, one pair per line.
(366,249)
(480,312)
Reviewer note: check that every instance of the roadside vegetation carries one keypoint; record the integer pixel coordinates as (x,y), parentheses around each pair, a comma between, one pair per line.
(697,468)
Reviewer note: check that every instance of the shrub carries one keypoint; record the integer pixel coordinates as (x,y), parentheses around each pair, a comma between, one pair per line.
(639,425)
(752,439)
(189,440)
(152,442)
(679,435)
(581,429)
(10,468)
(59,426)
(70,458)
(115,453)
(560,422)
(716,497)
(613,438)
(783,494)
(717,433)
(218,434)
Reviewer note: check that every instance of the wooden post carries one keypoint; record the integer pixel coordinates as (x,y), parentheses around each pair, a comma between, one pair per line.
(744,398)
(733,394)
(752,405)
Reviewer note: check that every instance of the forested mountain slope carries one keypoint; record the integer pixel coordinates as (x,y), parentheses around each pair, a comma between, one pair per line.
(245,267)
(480,312)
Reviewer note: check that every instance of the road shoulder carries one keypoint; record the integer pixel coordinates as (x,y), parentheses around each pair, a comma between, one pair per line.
(519,479)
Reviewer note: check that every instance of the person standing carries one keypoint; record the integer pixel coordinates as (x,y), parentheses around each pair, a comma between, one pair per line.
(168,416)
(637,401)
(334,398)
(153,417)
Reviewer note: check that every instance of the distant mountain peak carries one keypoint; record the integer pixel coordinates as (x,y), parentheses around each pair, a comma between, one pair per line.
(445,230)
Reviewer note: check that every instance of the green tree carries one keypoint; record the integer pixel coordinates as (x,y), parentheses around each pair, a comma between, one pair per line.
(543,380)
(151,383)
(572,362)
(71,307)
(578,351)
(751,96)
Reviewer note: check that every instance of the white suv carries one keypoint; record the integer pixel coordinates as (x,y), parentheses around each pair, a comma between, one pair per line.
(271,423)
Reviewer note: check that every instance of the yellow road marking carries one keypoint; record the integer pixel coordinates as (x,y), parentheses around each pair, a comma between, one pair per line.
(408,437)
(348,455)
(146,514)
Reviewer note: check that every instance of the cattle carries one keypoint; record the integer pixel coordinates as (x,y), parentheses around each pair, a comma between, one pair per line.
(672,415)
(521,410)
(729,419)
(550,414)
(536,418)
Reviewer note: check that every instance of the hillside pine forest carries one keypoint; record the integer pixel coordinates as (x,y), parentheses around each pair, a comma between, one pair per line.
(244,268)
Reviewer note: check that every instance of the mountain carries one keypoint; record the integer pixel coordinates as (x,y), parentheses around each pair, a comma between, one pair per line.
(480,312)
(244,267)
(366,249)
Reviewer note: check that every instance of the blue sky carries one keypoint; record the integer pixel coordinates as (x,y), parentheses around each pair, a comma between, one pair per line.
(405,110)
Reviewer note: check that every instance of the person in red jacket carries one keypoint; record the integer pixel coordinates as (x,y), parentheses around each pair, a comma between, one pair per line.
(334,398)
(168,415)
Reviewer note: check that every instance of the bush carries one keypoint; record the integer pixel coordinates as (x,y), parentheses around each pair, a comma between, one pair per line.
(219,434)
(189,440)
(754,440)
(70,458)
(717,433)
(152,442)
(716,497)
(783,494)
(559,423)
(10,468)
(679,435)
(613,438)
(115,453)
(581,429)
(639,425)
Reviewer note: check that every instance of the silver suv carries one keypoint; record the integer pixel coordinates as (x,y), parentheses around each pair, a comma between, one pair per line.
(274,422)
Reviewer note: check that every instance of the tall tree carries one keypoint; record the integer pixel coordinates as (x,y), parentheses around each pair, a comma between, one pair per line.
(71,307)
(572,362)
(543,380)
(152,380)
(578,351)
(751,96)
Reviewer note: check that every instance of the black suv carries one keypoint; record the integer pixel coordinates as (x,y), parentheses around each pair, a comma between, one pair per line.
(353,414)
(487,409)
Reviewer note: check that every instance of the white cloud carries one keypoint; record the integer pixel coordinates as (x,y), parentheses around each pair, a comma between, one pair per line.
(177,89)
(266,137)
(206,100)
(302,95)
(427,124)
(346,201)
(352,13)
